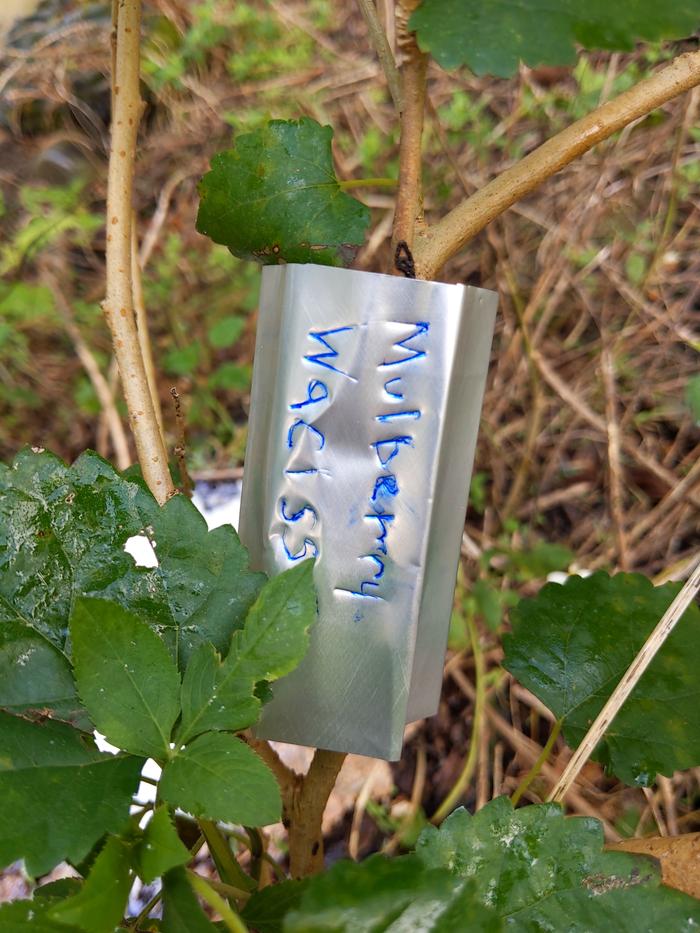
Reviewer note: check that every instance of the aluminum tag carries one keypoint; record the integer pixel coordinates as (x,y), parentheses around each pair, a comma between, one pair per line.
(365,407)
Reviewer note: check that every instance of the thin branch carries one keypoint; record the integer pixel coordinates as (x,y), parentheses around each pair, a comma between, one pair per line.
(465,777)
(186,485)
(229,917)
(629,681)
(616,486)
(380,44)
(438,243)
(102,388)
(413,80)
(118,305)
(142,325)
(537,766)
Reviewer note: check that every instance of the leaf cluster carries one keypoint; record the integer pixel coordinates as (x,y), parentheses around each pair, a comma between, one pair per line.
(167,662)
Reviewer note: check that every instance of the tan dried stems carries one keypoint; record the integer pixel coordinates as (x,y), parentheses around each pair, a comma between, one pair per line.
(118,305)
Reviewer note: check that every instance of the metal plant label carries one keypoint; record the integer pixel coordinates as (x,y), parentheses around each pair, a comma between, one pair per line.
(367,392)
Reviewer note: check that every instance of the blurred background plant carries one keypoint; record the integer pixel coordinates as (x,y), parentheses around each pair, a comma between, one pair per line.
(590,436)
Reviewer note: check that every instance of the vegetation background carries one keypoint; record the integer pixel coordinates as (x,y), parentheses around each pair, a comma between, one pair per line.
(588,452)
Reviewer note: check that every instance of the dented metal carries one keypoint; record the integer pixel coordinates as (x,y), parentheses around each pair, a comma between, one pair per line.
(365,407)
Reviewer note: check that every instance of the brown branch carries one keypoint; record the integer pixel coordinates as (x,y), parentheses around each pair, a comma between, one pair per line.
(413,78)
(118,305)
(304,799)
(304,814)
(438,243)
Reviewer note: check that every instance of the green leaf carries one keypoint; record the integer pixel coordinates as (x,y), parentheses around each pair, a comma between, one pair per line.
(99,905)
(58,890)
(226,331)
(218,777)
(235,376)
(492,38)
(59,793)
(126,677)
(161,848)
(542,871)
(272,642)
(571,645)
(267,908)
(181,910)
(396,896)
(275,636)
(215,696)
(62,535)
(30,917)
(274,198)
(183,361)
(34,673)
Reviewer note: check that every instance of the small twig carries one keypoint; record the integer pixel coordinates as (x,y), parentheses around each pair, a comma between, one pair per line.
(360,807)
(142,325)
(462,782)
(89,363)
(607,368)
(229,917)
(413,81)
(436,244)
(530,750)
(227,865)
(118,305)
(537,766)
(627,684)
(669,799)
(181,446)
(655,811)
(380,44)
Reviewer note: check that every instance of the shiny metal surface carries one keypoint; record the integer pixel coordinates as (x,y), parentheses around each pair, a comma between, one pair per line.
(365,407)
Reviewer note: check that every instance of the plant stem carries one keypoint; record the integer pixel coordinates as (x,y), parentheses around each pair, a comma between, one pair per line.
(304,813)
(629,681)
(147,909)
(413,81)
(438,243)
(142,325)
(118,305)
(229,917)
(380,44)
(220,851)
(539,763)
(462,782)
(367,183)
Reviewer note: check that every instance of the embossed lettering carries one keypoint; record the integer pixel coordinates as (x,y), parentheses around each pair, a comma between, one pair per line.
(314,386)
(321,359)
(421,327)
(304,424)
(394,445)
